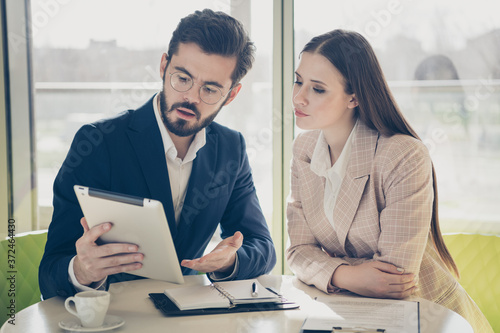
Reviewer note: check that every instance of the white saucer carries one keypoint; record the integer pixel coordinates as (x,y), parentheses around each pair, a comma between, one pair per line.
(74,324)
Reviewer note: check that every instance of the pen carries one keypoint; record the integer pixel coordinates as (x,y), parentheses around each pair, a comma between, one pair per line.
(255,292)
(356,330)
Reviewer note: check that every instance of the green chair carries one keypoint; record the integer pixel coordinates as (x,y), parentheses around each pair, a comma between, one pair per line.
(21,279)
(478,259)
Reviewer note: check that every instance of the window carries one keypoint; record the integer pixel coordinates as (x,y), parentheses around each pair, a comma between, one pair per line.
(91,59)
(90,64)
(442,62)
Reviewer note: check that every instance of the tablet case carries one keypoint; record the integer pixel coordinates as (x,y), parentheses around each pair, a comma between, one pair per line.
(168,308)
(136,220)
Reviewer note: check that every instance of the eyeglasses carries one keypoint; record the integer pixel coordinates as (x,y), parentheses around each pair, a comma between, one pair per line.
(209,93)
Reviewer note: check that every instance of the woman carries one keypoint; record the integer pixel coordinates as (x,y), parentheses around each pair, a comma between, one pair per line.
(362,212)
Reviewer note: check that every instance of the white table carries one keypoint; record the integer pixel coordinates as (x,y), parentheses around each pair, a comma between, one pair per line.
(130,301)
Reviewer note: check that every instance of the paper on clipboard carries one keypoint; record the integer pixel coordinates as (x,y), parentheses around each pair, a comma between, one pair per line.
(370,314)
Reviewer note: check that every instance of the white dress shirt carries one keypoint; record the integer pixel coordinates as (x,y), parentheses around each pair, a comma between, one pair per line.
(179,170)
(321,165)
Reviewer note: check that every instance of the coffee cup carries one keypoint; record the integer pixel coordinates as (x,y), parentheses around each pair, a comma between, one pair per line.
(91,307)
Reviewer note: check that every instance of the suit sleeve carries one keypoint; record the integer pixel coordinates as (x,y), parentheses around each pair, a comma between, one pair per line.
(243,213)
(305,254)
(86,164)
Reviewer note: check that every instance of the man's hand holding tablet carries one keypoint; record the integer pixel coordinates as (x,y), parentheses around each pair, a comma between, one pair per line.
(123,233)
(95,262)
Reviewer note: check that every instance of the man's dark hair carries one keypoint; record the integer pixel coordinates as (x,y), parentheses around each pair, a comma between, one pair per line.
(215,33)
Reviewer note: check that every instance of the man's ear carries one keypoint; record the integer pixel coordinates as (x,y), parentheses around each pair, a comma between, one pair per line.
(233,93)
(353,102)
(163,64)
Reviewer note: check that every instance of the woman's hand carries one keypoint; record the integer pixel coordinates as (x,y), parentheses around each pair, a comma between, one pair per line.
(375,279)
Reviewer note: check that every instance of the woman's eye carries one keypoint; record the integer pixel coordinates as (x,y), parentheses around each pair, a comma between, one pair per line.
(298,83)
(319,91)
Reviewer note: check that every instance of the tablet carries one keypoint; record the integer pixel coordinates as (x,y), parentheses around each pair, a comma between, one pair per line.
(139,221)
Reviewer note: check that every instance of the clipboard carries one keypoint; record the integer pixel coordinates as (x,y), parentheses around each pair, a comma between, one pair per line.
(357,314)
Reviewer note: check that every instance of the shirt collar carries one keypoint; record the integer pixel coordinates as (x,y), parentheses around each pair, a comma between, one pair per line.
(321,163)
(170,150)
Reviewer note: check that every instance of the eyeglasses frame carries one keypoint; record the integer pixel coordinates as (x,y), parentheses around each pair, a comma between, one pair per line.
(201,86)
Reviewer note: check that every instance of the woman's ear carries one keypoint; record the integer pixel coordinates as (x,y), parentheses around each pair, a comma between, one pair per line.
(353,102)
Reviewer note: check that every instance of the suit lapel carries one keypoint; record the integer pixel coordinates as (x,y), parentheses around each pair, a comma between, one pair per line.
(201,180)
(353,185)
(145,138)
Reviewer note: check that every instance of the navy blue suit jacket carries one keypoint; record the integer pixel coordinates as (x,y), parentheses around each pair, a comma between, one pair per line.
(125,154)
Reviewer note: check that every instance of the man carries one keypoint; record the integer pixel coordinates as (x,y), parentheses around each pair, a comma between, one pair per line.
(171,151)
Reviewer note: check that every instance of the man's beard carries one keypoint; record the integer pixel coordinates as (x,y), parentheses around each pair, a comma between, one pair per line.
(180,127)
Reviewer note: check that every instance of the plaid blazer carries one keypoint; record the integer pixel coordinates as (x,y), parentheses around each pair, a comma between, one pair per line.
(383,212)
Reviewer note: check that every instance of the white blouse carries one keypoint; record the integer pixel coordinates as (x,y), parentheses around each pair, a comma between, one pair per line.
(322,166)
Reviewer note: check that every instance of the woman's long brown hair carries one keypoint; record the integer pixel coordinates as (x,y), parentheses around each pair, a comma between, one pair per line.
(354,57)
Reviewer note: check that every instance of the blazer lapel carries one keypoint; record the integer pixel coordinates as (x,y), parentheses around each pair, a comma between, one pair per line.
(145,138)
(358,173)
(312,192)
(201,180)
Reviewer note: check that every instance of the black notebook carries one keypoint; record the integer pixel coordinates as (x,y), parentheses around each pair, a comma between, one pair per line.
(270,300)
(223,294)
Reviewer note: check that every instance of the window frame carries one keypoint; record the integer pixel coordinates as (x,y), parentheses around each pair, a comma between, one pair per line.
(19,200)
(18,185)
